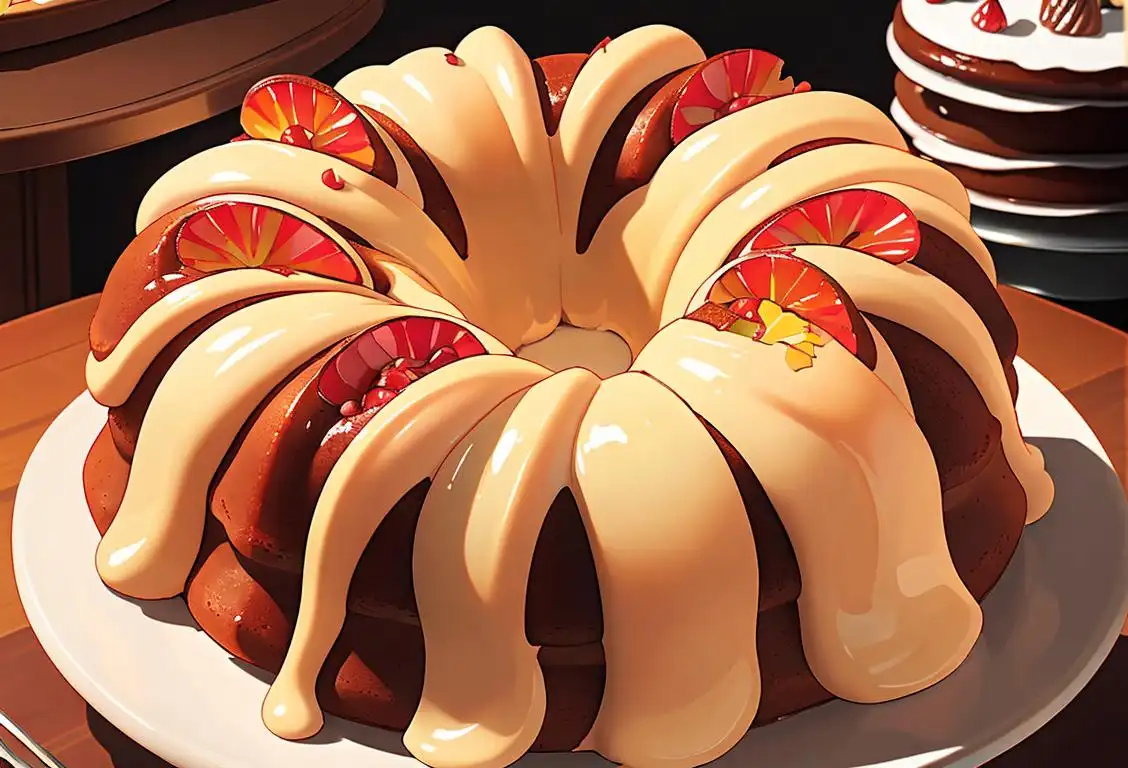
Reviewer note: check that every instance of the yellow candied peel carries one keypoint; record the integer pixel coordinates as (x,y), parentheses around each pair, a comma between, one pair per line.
(779,326)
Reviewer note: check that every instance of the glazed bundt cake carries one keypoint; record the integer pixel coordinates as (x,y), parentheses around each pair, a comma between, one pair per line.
(612,402)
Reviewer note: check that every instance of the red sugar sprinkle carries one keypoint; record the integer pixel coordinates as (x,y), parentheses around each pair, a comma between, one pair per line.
(330,179)
(453,60)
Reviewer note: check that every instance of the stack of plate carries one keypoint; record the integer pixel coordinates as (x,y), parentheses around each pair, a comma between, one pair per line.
(1063,253)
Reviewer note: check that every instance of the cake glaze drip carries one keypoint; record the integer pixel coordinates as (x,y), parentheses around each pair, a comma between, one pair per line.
(836,445)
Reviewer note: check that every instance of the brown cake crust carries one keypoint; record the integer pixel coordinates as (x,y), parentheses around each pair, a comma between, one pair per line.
(554,76)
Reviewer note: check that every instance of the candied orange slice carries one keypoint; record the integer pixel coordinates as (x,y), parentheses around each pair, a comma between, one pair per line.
(861,219)
(234,235)
(727,83)
(381,362)
(767,286)
(308,114)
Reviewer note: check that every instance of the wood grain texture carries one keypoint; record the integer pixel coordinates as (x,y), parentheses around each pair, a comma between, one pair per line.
(41,359)
(35,251)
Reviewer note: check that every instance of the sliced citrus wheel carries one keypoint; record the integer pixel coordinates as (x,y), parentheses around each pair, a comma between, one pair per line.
(774,288)
(308,114)
(381,362)
(727,83)
(234,235)
(861,219)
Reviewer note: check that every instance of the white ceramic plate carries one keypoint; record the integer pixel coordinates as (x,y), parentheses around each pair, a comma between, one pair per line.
(1099,233)
(1050,623)
(1093,276)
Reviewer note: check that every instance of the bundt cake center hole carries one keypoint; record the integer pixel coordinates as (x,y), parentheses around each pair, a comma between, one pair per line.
(604,353)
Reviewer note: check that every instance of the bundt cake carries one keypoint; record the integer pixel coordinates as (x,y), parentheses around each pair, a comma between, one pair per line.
(612,402)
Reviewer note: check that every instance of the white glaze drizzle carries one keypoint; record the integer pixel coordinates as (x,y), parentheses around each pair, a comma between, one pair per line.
(883,611)
(149,548)
(809,174)
(385,218)
(618,284)
(112,379)
(655,494)
(907,295)
(402,445)
(473,553)
(405,176)
(515,278)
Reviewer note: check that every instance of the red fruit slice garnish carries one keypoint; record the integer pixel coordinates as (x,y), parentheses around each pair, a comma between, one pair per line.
(383,361)
(234,235)
(860,219)
(794,285)
(308,114)
(729,83)
(990,17)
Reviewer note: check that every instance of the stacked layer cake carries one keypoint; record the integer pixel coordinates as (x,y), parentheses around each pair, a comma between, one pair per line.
(1026,101)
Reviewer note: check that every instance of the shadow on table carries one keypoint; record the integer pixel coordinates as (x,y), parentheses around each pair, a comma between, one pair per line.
(123,751)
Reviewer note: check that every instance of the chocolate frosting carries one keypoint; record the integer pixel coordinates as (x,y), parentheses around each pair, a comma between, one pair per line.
(1076,18)
(1079,131)
(1110,84)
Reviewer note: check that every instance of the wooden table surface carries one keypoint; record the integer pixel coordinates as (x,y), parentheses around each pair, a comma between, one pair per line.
(41,371)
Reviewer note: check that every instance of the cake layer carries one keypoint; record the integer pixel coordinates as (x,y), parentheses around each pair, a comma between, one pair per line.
(1063,179)
(1076,131)
(1073,71)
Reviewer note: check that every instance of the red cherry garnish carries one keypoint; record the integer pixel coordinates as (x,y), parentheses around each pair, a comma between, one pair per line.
(330,179)
(378,397)
(746,308)
(990,17)
(453,60)
(350,408)
(298,136)
(395,379)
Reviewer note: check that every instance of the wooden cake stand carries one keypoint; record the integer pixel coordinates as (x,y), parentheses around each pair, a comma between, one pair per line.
(27,23)
(176,64)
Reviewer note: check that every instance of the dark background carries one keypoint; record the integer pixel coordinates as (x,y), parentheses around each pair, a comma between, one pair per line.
(837,45)
(834,45)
